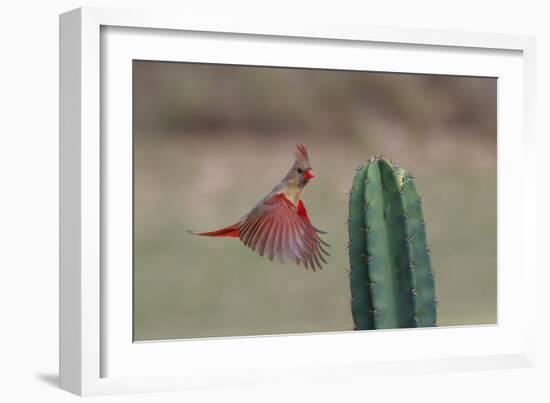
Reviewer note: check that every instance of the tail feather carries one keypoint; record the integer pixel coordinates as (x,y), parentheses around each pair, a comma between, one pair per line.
(232,231)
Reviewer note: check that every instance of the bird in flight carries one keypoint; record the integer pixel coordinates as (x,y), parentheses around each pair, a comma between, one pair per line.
(278,226)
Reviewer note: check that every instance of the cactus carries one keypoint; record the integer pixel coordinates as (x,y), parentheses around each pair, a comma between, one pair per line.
(391,279)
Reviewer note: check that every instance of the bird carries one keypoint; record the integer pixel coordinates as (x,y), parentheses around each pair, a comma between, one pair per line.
(278,226)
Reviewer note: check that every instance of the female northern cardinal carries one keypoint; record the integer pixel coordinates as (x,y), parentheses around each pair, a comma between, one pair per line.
(279,226)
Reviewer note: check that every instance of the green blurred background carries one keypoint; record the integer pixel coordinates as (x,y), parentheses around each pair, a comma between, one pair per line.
(212,140)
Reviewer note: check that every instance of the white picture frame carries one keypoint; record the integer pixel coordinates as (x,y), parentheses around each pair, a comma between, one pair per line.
(97,354)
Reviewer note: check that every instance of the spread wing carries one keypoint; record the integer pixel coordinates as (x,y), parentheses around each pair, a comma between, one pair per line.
(277,229)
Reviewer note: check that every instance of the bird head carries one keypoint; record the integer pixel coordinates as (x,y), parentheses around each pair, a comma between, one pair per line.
(301,171)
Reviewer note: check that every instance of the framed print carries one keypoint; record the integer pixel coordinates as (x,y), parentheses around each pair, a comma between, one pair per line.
(244,202)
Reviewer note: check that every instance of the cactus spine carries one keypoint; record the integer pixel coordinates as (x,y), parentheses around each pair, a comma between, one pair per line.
(391,279)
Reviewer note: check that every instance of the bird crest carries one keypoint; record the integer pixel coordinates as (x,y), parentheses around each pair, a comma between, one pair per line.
(301,152)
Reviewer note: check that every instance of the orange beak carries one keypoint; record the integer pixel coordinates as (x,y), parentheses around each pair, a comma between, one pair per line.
(309,174)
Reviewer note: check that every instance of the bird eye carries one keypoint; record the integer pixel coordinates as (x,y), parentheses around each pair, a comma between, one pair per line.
(300,170)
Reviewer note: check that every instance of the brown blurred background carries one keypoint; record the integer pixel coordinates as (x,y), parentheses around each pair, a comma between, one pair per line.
(211,140)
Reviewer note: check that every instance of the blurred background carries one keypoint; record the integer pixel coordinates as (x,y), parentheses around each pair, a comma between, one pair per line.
(211,140)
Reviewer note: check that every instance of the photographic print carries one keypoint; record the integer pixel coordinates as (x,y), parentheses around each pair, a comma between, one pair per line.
(272,200)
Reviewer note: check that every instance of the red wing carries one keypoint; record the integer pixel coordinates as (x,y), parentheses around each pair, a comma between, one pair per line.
(275,228)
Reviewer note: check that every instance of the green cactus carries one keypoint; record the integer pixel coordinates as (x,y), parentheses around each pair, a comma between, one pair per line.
(391,279)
